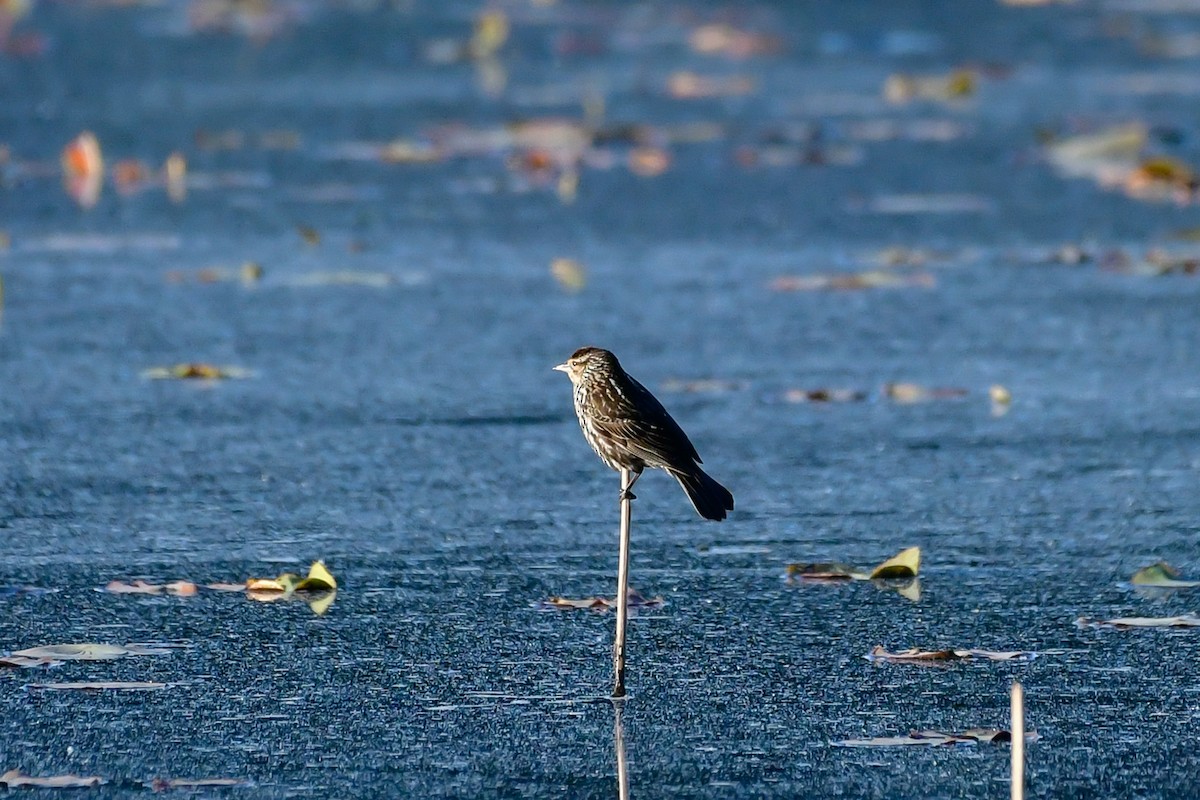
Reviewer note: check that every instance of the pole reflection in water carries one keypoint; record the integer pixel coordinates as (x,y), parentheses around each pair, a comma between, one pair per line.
(619,747)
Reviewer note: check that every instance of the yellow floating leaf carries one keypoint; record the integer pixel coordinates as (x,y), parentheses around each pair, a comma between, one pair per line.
(1161,574)
(957,85)
(318,579)
(266,585)
(569,273)
(904,564)
(491,32)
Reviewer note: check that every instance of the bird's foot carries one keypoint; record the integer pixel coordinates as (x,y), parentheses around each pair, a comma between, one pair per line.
(627,495)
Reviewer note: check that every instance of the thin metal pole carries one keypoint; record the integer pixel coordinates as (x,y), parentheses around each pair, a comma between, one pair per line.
(1017,725)
(619,746)
(622,588)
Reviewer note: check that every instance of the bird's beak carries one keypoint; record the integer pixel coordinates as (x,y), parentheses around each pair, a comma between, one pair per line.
(563,368)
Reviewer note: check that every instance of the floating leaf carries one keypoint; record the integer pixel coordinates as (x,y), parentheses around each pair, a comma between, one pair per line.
(347,277)
(685,85)
(904,564)
(1126,623)
(166,784)
(271,585)
(83,169)
(871,279)
(491,32)
(226,587)
(824,395)
(915,656)
(827,571)
(318,579)
(958,85)
(648,161)
(176,588)
(907,393)
(26,662)
(195,371)
(702,386)
(937,738)
(569,273)
(98,686)
(725,40)
(1161,574)
(633,600)
(14,779)
(922,204)
(310,235)
(175,177)
(90,652)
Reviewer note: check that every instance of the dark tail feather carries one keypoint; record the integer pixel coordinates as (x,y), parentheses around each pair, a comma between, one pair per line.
(710,498)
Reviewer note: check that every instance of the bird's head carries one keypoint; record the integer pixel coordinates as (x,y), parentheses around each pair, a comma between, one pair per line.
(584,359)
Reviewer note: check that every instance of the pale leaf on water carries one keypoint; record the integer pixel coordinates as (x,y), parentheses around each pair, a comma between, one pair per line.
(98,686)
(15,779)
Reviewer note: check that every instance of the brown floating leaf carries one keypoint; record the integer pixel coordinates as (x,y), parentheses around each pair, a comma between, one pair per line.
(166,784)
(915,656)
(1127,623)
(98,685)
(310,235)
(14,779)
(634,600)
(828,571)
(176,588)
(195,371)
(824,395)
(1162,575)
(937,738)
(83,169)
(905,564)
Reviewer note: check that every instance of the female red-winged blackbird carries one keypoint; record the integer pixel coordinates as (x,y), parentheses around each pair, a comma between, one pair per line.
(629,429)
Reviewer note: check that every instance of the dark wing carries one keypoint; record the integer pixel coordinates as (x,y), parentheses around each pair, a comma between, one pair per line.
(634,418)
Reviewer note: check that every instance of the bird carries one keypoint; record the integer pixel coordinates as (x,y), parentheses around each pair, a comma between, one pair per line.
(629,429)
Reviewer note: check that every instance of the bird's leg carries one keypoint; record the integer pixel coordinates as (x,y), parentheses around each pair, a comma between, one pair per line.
(626,494)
